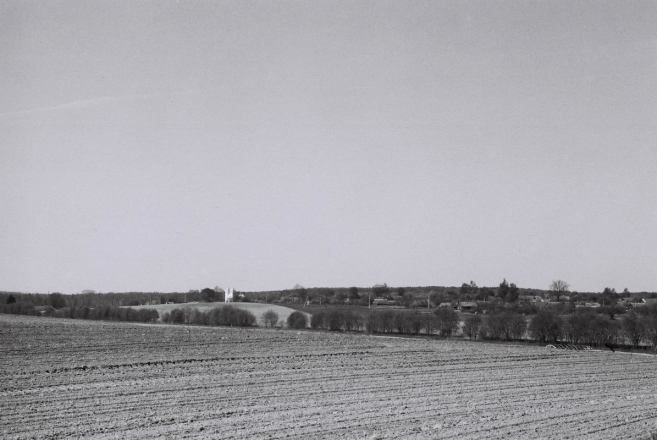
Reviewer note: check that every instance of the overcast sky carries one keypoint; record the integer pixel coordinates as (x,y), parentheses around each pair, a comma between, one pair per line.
(168,146)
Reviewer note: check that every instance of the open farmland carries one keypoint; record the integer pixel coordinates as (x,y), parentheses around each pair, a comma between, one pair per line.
(72,378)
(258,309)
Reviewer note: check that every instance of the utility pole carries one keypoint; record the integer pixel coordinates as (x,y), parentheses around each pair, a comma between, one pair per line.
(428,303)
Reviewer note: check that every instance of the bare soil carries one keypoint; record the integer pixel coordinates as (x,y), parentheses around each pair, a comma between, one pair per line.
(80,379)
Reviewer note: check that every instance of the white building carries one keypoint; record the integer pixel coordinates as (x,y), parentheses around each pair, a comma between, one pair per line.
(229,294)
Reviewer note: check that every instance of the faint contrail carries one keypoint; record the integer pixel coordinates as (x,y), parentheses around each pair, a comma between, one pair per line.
(79,104)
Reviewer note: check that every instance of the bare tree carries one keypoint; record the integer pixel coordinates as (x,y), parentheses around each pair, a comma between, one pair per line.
(558,287)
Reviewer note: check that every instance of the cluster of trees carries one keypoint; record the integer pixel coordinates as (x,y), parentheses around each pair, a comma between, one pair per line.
(227,316)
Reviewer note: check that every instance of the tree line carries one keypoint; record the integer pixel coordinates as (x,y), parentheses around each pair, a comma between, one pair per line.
(92,299)
(549,324)
(506,293)
(636,328)
(225,316)
(107,313)
(232,317)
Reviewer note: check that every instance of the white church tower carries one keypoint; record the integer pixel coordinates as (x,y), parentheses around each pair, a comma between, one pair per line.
(229,294)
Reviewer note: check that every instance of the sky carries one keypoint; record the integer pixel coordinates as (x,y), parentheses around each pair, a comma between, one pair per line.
(168,146)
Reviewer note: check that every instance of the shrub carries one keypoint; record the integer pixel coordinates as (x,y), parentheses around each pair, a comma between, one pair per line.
(493,327)
(197,317)
(408,322)
(401,322)
(372,323)
(334,320)
(297,320)
(386,320)
(317,320)
(613,311)
(602,329)
(231,316)
(148,315)
(576,327)
(177,316)
(270,318)
(352,321)
(82,313)
(651,329)
(514,325)
(244,318)
(634,328)
(472,326)
(56,300)
(429,323)
(448,320)
(546,326)
(415,322)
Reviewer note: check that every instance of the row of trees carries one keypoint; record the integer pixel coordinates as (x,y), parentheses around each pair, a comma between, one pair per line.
(231,316)
(578,328)
(546,326)
(505,293)
(443,321)
(92,299)
(226,316)
(98,314)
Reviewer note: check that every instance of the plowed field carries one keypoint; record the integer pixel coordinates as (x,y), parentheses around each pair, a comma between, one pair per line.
(65,379)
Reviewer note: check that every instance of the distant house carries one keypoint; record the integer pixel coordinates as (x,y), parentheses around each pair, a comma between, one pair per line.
(588,304)
(466,306)
(533,299)
(626,302)
(646,302)
(445,305)
(382,302)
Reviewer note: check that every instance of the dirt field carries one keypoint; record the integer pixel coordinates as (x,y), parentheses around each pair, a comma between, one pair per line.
(258,309)
(64,378)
